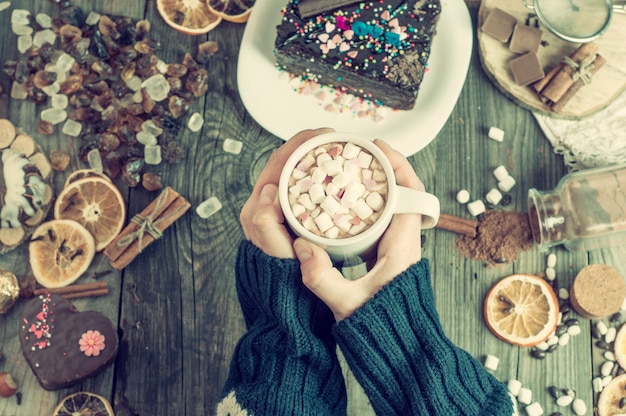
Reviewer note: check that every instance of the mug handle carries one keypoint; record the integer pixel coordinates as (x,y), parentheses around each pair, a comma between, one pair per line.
(412,201)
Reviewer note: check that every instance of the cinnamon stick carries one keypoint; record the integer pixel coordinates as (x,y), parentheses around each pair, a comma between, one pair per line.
(543,82)
(134,238)
(563,80)
(114,250)
(571,92)
(72,289)
(87,293)
(457,225)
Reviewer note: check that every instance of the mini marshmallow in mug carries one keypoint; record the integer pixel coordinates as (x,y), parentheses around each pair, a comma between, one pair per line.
(360,195)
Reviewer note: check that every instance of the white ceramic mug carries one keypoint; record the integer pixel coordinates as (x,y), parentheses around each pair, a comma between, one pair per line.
(399,199)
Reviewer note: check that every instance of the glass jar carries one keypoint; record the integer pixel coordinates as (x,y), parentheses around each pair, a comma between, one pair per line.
(586,210)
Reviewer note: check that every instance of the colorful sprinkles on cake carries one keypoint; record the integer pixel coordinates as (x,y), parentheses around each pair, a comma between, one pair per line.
(386,41)
(41,328)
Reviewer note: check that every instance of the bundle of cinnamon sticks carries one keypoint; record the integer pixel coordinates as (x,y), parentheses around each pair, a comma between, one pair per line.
(145,227)
(563,81)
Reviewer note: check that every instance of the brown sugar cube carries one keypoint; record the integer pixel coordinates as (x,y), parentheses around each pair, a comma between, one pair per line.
(499,24)
(526,69)
(525,39)
(598,291)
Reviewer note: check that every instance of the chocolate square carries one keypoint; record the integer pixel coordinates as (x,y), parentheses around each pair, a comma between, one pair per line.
(525,39)
(526,69)
(499,24)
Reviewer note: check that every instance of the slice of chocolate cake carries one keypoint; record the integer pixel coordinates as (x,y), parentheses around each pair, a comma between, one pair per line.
(377,50)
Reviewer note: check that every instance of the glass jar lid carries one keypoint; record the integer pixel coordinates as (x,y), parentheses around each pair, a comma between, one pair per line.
(576,21)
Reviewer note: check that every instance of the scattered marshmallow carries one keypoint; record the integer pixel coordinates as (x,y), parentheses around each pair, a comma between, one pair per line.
(476,208)
(491,362)
(496,134)
(514,386)
(494,196)
(463,196)
(500,173)
(534,409)
(525,395)
(506,184)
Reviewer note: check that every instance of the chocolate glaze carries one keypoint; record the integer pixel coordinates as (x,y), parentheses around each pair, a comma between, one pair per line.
(49,332)
(383,61)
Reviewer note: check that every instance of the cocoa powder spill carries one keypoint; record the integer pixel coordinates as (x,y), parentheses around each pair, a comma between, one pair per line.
(501,236)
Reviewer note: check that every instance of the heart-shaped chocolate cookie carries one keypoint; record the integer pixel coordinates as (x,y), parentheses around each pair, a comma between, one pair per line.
(62,345)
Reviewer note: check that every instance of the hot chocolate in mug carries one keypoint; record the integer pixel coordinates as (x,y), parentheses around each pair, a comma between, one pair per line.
(339,191)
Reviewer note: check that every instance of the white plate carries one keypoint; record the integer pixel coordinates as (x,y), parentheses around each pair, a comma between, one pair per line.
(273,103)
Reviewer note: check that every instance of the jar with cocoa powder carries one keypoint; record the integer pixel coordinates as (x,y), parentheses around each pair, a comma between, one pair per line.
(586,210)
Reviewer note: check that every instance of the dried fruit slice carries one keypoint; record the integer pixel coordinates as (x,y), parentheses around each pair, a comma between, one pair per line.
(612,397)
(59,252)
(237,11)
(191,17)
(84,173)
(97,204)
(620,348)
(521,309)
(84,404)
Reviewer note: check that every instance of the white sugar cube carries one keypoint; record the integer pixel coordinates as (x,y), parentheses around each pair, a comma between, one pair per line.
(232,146)
(496,134)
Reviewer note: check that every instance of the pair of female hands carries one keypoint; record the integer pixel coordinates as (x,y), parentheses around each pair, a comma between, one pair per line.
(263,224)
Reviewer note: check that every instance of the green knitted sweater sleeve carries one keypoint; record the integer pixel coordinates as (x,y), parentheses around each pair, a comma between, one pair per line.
(286,363)
(396,348)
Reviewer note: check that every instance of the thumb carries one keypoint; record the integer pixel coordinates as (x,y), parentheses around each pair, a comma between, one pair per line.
(321,277)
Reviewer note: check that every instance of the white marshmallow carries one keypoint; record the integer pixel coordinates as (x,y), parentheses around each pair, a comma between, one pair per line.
(305,200)
(332,166)
(500,173)
(305,184)
(330,205)
(506,184)
(534,409)
(332,232)
(491,362)
(344,223)
(514,386)
(352,193)
(365,159)
(524,396)
(317,193)
(305,164)
(378,175)
(375,201)
(332,189)
(341,179)
(298,210)
(463,196)
(357,228)
(476,208)
(294,190)
(352,168)
(322,158)
(496,134)
(366,174)
(324,222)
(362,210)
(350,151)
(494,196)
(318,175)
(298,174)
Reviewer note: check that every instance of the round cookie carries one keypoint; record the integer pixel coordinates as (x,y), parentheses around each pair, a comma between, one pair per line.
(598,291)
(25,186)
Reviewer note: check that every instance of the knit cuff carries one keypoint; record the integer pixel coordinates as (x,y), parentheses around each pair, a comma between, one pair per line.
(286,362)
(396,348)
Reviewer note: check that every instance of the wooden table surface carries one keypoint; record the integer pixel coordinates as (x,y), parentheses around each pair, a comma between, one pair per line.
(178,333)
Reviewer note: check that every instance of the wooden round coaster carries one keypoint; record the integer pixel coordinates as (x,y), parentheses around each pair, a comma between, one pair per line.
(28,159)
(598,291)
(605,86)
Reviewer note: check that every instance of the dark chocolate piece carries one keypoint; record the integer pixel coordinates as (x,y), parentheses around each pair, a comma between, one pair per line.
(499,24)
(50,332)
(310,8)
(526,69)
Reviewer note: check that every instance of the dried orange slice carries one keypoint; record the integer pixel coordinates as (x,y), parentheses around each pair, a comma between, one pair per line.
(97,204)
(612,398)
(619,347)
(84,173)
(60,251)
(237,11)
(84,404)
(191,17)
(521,309)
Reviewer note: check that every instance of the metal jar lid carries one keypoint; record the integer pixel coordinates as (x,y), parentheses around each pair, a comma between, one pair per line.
(577,21)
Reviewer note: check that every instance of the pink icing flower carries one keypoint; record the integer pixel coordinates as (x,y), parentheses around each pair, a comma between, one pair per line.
(91,343)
